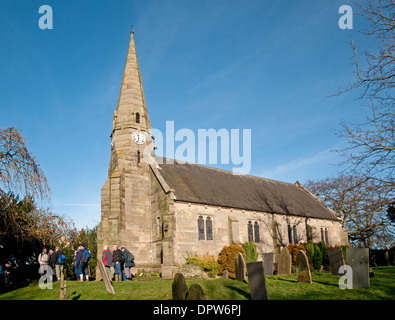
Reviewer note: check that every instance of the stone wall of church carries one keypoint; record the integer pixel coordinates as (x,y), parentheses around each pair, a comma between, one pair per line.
(232,226)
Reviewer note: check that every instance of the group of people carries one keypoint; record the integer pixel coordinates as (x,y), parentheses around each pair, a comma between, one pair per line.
(8,270)
(51,261)
(121,260)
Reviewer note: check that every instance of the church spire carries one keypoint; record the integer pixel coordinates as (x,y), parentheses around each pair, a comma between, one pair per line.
(132,109)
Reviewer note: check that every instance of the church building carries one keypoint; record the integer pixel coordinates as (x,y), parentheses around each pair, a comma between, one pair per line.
(162,211)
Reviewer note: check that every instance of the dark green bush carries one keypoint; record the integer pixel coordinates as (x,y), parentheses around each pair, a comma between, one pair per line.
(250,250)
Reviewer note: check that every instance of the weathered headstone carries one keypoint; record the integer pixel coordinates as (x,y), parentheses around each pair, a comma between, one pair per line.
(106,279)
(268,263)
(302,263)
(240,267)
(195,292)
(225,274)
(257,281)
(179,287)
(284,262)
(358,260)
(336,260)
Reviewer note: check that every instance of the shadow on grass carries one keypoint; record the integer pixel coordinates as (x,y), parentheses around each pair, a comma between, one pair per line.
(240,292)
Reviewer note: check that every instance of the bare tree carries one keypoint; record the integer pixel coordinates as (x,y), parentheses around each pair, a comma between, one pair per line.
(370,145)
(19,169)
(361,205)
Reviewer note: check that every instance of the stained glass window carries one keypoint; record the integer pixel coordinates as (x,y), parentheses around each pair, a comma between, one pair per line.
(250,235)
(256,232)
(209,229)
(201,228)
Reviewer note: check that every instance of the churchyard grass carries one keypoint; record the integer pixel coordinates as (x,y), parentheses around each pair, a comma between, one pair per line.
(280,287)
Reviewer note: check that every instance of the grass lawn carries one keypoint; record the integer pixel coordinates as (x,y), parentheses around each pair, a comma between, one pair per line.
(324,287)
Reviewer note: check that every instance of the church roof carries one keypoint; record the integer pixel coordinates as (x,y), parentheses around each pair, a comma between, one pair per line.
(206,185)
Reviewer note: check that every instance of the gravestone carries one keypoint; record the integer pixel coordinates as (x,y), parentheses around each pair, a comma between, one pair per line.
(106,279)
(179,287)
(358,260)
(257,281)
(240,267)
(302,263)
(195,292)
(284,262)
(336,260)
(225,274)
(268,263)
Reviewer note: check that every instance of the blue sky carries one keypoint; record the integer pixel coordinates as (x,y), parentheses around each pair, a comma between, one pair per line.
(268,66)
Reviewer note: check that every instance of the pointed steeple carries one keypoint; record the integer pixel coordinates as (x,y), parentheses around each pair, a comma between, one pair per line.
(131,99)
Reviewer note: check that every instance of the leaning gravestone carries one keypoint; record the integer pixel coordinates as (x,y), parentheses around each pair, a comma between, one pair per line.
(302,263)
(240,267)
(225,274)
(257,281)
(358,260)
(336,260)
(179,287)
(106,279)
(195,292)
(268,263)
(284,262)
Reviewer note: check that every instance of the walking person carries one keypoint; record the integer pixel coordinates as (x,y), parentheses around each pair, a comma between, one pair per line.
(117,259)
(107,260)
(128,263)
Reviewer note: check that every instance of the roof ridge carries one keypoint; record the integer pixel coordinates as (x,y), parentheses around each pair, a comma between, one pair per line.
(226,171)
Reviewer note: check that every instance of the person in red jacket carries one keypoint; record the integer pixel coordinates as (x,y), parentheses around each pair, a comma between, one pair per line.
(107,260)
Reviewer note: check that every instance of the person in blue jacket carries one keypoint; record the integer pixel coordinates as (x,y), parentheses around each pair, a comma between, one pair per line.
(86,256)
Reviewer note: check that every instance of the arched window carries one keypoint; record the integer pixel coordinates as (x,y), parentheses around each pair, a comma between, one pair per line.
(138,157)
(138,117)
(201,228)
(295,236)
(250,235)
(256,232)
(209,229)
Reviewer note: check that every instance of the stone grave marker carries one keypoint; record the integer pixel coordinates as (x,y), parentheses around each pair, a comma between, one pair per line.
(336,260)
(225,274)
(106,279)
(195,292)
(284,262)
(268,263)
(302,263)
(358,260)
(240,267)
(179,287)
(257,281)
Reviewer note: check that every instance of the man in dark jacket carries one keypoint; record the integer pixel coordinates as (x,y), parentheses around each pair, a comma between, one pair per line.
(59,259)
(78,264)
(107,260)
(117,259)
(85,261)
(128,263)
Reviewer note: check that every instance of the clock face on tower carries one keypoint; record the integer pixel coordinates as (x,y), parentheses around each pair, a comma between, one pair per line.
(138,137)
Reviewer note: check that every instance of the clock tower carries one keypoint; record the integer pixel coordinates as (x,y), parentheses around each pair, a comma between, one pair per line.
(126,218)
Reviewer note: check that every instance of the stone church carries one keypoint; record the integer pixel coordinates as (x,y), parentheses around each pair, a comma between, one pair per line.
(162,212)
